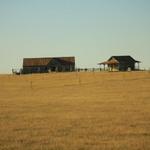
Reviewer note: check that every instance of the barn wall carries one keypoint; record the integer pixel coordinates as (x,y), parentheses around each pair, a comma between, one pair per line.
(34,69)
(45,69)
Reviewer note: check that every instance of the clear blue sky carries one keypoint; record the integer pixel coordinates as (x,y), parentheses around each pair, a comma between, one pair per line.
(90,30)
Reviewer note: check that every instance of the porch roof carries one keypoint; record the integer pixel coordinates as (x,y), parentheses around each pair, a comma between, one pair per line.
(109,62)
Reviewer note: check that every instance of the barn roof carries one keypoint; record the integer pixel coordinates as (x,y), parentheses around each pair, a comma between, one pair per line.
(46,60)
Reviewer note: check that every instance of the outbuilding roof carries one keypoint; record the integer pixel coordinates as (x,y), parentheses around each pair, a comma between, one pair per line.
(118,59)
(123,58)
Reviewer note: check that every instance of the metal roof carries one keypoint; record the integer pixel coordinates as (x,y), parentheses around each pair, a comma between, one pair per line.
(46,60)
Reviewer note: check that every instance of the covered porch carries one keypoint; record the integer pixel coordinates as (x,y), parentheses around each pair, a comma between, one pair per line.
(111,65)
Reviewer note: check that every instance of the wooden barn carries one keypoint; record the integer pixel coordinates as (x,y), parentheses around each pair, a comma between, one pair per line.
(121,63)
(48,64)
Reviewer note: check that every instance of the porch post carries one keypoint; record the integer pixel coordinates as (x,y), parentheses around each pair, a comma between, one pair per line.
(138,66)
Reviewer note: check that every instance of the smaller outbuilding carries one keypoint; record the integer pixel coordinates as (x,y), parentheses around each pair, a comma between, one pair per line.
(121,63)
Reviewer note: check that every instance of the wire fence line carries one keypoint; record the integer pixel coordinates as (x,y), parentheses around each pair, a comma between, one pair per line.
(20,71)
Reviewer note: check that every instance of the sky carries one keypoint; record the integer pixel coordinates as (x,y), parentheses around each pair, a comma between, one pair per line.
(90,30)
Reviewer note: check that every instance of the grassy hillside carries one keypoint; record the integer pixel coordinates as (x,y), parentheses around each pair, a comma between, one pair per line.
(75,111)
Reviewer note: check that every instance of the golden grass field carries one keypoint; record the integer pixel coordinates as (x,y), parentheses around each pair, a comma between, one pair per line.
(75,111)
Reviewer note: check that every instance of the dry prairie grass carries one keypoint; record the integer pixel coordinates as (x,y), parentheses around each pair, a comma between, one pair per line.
(75,111)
